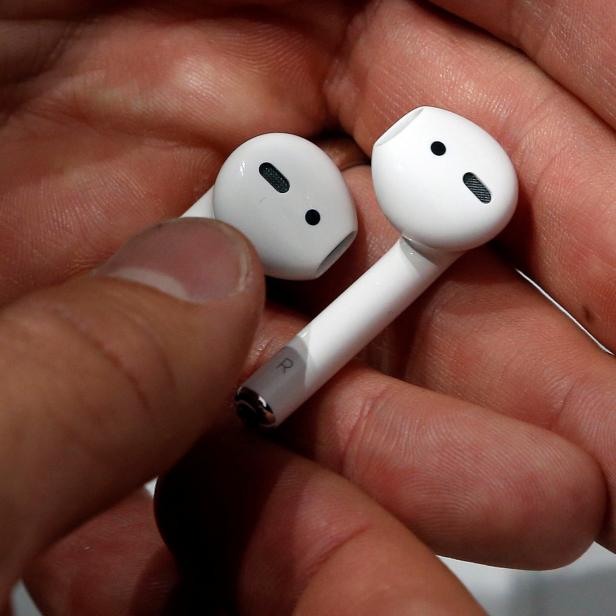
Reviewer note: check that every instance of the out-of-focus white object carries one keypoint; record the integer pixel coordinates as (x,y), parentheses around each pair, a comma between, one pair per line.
(22,604)
(585,588)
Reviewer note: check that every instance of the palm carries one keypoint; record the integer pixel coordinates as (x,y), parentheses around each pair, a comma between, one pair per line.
(121,117)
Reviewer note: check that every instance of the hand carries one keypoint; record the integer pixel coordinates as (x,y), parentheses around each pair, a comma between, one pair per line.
(119,117)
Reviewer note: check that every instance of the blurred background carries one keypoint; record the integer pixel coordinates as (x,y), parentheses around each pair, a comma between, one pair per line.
(586,588)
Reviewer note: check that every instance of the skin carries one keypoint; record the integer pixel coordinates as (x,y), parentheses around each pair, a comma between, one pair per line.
(480,425)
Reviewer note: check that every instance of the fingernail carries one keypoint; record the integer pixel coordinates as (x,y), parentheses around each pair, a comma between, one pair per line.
(193,260)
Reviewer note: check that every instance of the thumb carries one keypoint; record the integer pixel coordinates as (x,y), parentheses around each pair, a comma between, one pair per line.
(107,380)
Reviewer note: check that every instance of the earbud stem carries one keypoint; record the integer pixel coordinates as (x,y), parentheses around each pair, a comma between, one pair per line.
(339,333)
(204,208)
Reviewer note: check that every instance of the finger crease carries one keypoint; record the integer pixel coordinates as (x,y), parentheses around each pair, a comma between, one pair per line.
(49,60)
(102,350)
(369,406)
(330,552)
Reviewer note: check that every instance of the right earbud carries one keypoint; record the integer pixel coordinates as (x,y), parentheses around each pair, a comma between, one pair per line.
(289,199)
(443,182)
(448,187)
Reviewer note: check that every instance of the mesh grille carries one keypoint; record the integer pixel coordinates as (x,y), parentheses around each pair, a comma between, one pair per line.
(274,178)
(477,187)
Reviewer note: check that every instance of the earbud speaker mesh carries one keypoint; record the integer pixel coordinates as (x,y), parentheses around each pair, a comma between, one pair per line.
(274,178)
(477,187)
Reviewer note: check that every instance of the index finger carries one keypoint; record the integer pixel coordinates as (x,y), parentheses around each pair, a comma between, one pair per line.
(290,537)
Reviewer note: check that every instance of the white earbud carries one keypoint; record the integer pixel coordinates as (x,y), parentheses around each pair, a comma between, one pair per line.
(289,199)
(448,186)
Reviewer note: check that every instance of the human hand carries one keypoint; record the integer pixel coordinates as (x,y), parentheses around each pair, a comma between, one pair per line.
(475,475)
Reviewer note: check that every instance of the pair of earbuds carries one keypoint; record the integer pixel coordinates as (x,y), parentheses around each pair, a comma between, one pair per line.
(445,183)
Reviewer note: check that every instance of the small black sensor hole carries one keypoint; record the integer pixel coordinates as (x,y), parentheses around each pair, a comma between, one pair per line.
(438,148)
(313,217)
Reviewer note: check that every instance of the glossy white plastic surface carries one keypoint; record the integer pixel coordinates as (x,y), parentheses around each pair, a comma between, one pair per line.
(424,195)
(345,327)
(447,186)
(275,219)
(204,208)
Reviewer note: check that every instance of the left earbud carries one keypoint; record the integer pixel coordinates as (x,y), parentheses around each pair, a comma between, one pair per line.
(289,199)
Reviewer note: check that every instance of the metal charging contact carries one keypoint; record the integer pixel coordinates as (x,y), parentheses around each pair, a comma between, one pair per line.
(253,409)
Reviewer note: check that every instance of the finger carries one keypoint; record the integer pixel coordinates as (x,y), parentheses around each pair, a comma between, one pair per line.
(571,40)
(107,380)
(345,153)
(562,232)
(114,564)
(471,483)
(295,538)
(491,339)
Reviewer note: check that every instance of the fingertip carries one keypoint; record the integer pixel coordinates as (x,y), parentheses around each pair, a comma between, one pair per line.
(196,260)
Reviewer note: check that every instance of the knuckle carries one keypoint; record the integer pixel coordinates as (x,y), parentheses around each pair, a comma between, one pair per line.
(362,451)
